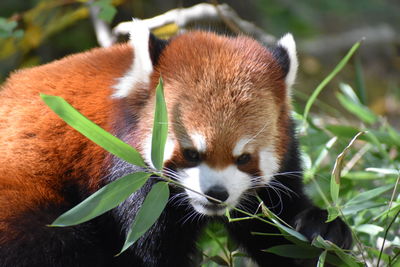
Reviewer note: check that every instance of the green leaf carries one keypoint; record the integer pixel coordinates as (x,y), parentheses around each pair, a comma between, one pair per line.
(367,195)
(103,200)
(322,155)
(350,102)
(328,78)
(350,261)
(394,135)
(107,10)
(92,131)
(337,168)
(369,229)
(349,132)
(160,128)
(149,212)
(321,259)
(8,29)
(349,93)
(360,83)
(7,25)
(282,228)
(293,251)
(389,212)
(232,245)
(333,213)
(285,229)
(353,209)
(383,171)
(218,260)
(360,175)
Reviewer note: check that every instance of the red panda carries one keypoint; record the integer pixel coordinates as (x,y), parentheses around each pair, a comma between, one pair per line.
(230,136)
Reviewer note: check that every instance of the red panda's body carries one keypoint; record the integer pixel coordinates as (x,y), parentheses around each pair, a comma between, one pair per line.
(230,132)
(40,154)
(36,146)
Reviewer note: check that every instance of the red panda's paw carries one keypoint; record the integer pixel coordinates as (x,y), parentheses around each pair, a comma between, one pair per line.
(311,223)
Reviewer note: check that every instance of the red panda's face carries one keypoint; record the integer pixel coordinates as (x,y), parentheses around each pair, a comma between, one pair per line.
(228,107)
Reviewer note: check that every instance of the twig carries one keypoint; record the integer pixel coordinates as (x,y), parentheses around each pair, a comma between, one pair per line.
(201,13)
(385,236)
(391,222)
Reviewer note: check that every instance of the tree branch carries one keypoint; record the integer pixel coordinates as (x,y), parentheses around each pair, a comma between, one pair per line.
(202,13)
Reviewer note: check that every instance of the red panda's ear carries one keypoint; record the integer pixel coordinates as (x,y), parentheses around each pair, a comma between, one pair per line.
(146,49)
(285,54)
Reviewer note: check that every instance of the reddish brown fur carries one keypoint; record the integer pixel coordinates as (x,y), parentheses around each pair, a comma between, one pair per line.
(226,89)
(231,93)
(39,152)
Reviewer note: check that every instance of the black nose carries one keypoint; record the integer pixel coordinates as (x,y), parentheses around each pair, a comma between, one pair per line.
(218,192)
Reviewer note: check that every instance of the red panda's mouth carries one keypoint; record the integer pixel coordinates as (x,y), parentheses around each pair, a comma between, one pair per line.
(210,209)
(215,207)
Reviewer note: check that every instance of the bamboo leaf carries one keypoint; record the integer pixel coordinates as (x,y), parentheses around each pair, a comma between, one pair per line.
(349,131)
(92,131)
(335,178)
(331,75)
(350,101)
(321,259)
(103,200)
(293,251)
(149,212)
(333,213)
(160,128)
(353,209)
(350,261)
(292,232)
(367,195)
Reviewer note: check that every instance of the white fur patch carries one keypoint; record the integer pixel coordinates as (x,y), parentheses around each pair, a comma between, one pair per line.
(169,149)
(289,44)
(202,178)
(194,141)
(239,148)
(199,142)
(268,164)
(142,67)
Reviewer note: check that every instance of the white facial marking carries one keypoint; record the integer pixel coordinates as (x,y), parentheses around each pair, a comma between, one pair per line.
(289,44)
(268,164)
(199,142)
(142,66)
(202,178)
(168,150)
(239,148)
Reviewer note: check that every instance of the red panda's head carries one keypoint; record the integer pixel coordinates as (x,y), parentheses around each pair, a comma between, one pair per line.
(228,102)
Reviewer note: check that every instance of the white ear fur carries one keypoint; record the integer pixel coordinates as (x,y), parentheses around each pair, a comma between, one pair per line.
(287,42)
(142,66)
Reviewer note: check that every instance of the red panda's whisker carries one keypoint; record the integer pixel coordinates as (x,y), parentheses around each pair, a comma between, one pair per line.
(258,133)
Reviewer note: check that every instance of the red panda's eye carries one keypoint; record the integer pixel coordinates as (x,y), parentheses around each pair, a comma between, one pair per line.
(243,159)
(191,155)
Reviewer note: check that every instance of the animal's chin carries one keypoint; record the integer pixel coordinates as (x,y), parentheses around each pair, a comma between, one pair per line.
(209,209)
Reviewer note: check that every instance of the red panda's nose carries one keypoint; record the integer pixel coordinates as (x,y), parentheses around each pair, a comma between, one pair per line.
(218,192)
